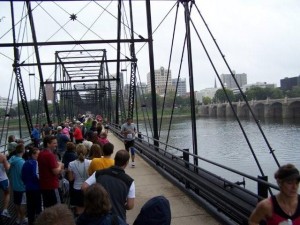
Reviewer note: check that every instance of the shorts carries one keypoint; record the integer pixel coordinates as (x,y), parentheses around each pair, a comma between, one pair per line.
(128,144)
(19,198)
(76,198)
(51,197)
(4,185)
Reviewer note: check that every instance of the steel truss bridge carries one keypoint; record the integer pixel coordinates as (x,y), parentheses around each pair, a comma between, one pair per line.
(82,81)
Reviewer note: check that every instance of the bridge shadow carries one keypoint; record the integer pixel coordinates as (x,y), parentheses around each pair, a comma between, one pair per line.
(11,209)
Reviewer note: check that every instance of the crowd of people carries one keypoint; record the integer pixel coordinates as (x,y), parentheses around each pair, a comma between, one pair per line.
(78,153)
(100,191)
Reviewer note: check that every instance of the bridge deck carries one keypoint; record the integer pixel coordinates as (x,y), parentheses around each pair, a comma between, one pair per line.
(150,183)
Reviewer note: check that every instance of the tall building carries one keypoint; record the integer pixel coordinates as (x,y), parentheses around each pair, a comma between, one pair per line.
(181,90)
(142,88)
(289,82)
(49,89)
(160,81)
(113,83)
(3,102)
(229,82)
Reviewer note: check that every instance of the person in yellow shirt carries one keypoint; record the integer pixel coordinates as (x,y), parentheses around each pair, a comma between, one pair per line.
(104,162)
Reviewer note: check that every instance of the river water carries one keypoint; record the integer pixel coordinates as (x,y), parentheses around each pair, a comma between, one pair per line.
(222,141)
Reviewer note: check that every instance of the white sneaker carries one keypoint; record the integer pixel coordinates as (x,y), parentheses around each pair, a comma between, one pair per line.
(5,213)
(132,164)
(24,222)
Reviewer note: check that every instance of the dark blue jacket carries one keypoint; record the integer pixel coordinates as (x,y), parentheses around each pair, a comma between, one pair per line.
(30,175)
(68,157)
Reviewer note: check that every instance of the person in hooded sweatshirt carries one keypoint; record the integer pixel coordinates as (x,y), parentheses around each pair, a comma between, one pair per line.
(18,187)
(30,177)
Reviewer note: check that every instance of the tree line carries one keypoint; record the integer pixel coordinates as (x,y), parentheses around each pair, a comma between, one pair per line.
(182,103)
(255,93)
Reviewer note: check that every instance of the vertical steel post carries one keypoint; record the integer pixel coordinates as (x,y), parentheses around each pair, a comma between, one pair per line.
(118,60)
(191,78)
(152,72)
(262,189)
(37,55)
(19,79)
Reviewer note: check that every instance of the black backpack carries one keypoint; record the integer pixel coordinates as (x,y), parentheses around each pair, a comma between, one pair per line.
(155,211)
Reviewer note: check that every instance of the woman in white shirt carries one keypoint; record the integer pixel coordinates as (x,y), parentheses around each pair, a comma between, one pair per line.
(78,171)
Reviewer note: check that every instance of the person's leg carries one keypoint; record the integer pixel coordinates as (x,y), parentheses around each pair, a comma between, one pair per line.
(127,145)
(37,203)
(34,208)
(4,185)
(79,202)
(50,197)
(6,199)
(18,196)
(30,207)
(132,152)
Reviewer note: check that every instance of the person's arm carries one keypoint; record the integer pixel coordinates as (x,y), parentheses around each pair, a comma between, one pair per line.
(91,180)
(262,210)
(122,130)
(91,168)
(129,204)
(3,160)
(70,175)
(58,169)
(134,130)
(130,198)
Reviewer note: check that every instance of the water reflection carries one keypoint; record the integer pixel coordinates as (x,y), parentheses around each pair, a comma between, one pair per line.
(222,141)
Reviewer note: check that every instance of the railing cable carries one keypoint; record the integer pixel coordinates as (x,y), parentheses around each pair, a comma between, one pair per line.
(242,93)
(223,87)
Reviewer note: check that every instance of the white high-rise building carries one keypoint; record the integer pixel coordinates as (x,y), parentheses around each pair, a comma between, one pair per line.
(181,90)
(160,81)
(49,89)
(113,83)
(3,102)
(142,88)
(229,82)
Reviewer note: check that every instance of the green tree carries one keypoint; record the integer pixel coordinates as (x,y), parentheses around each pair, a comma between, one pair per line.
(276,93)
(13,112)
(238,97)
(221,97)
(295,92)
(258,93)
(2,113)
(206,100)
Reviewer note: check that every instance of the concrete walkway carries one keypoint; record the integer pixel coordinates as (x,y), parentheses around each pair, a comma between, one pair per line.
(150,183)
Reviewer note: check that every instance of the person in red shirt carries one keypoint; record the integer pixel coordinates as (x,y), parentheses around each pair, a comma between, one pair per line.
(49,169)
(77,134)
(282,208)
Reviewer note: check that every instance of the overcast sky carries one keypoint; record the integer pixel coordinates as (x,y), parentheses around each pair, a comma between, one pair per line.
(258,37)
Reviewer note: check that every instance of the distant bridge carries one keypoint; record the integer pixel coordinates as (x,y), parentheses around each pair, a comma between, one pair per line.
(285,108)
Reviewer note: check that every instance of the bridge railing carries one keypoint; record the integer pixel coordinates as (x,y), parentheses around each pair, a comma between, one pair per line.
(228,201)
(3,148)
